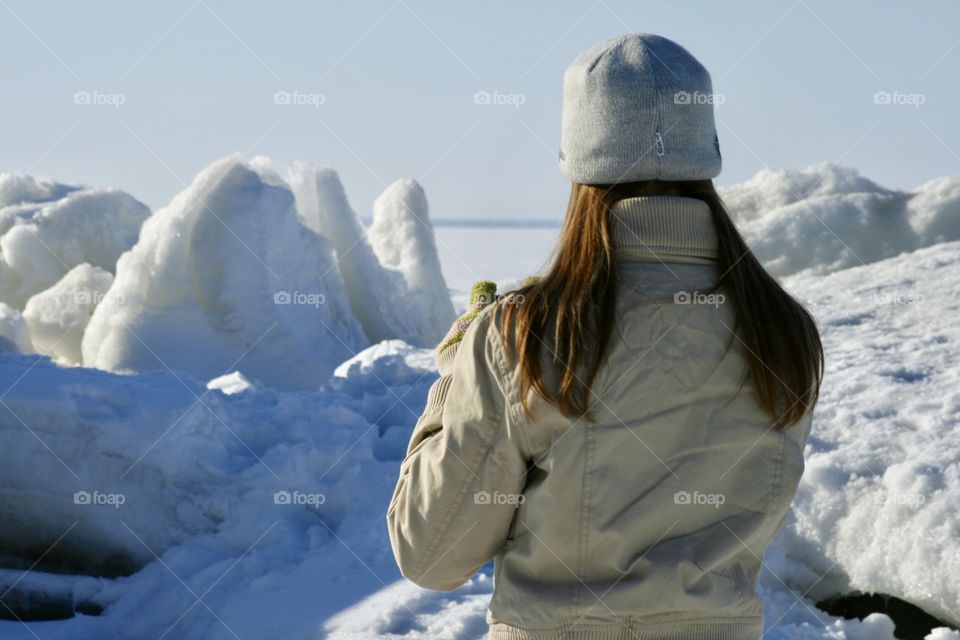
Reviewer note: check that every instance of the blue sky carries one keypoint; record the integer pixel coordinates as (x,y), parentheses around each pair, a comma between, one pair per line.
(383,90)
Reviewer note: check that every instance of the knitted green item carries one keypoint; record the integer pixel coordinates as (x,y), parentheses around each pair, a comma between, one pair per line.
(483,293)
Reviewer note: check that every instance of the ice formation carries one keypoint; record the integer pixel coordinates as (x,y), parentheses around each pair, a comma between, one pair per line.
(58,316)
(226,278)
(402,238)
(14,331)
(395,285)
(46,229)
(827,218)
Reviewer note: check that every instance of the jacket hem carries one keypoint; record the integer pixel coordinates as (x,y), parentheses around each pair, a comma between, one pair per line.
(718,628)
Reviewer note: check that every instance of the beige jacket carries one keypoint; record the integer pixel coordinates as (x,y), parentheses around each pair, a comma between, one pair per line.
(651,521)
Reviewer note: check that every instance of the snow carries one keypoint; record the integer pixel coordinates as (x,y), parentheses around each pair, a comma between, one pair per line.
(225,469)
(881,493)
(19,188)
(203,477)
(51,228)
(14,332)
(230,383)
(226,278)
(374,357)
(402,238)
(827,218)
(57,317)
(392,273)
(72,433)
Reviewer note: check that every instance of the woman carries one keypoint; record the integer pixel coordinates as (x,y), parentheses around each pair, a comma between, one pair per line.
(625,435)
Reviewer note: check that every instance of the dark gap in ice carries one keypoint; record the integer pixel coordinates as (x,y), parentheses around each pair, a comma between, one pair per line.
(912,622)
(905,375)
(25,606)
(70,558)
(850,321)
(877,413)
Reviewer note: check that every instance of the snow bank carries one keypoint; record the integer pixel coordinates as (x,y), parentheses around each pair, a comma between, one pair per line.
(395,284)
(827,218)
(46,229)
(878,509)
(58,316)
(75,439)
(226,278)
(267,505)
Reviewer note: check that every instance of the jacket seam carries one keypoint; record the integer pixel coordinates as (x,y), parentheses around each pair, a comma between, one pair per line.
(778,473)
(585,507)
(456,503)
(502,375)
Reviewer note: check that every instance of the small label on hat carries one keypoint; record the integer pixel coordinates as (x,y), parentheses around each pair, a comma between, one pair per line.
(659,144)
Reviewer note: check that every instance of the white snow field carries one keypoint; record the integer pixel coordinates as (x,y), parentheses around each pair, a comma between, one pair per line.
(221,463)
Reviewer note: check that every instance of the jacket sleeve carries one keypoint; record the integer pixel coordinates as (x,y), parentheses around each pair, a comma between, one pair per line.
(464,472)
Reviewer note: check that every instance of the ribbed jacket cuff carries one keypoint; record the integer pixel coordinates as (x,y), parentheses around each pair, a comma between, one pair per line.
(445,359)
(437,395)
(663,226)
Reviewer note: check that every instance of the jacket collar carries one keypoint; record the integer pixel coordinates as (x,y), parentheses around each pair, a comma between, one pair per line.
(663,228)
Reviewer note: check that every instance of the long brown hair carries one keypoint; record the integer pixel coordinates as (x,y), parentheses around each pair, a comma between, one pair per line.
(574,306)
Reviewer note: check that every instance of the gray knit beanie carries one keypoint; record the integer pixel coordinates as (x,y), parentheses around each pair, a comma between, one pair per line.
(638,107)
